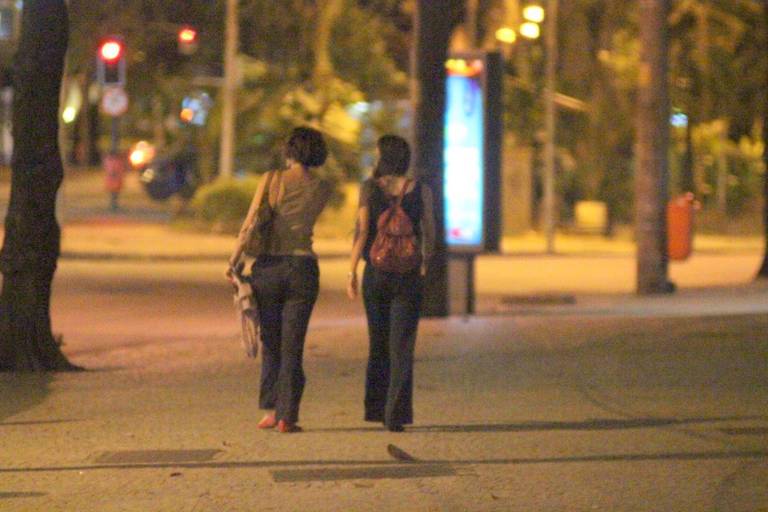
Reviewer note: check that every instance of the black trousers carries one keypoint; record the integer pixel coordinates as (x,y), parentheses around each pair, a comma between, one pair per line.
(286,289)
(392,303)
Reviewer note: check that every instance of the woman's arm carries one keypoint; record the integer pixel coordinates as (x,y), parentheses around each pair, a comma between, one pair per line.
(361,235)
(427,227)
(248,222)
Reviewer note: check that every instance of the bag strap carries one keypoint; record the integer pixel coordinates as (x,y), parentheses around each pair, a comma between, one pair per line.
(267,186)
(401,195)
(258,200)
(279,185)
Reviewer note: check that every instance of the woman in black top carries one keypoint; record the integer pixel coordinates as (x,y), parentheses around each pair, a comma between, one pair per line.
(392,300)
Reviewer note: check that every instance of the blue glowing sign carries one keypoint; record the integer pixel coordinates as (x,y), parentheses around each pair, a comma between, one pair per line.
(464,154)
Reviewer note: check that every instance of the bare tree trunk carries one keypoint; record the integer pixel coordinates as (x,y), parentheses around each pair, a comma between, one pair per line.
(32,236)
(652,145)
(432,30)
(763,272)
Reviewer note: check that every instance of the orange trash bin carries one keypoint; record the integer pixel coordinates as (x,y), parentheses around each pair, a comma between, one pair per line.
(680,227)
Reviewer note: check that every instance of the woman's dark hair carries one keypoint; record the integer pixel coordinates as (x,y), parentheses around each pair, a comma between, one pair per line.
(394,156)
(307,147)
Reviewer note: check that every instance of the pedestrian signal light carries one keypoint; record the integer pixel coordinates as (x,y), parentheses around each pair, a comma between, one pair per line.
(110,62)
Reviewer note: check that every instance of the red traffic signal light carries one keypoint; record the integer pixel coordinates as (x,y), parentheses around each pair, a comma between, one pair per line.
(187,35)
(111,50)
(187,40)
(110,61)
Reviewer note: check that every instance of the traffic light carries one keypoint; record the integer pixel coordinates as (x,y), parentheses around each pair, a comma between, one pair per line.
(110,61)
(187,40)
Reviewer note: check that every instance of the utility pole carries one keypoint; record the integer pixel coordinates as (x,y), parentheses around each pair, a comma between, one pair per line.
(550,144)
(229,90)
(652,179)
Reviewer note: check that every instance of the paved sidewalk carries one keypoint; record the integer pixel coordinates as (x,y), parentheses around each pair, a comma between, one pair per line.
(514,412)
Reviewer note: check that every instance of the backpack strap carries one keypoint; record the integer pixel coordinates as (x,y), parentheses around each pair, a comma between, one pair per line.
(400,196)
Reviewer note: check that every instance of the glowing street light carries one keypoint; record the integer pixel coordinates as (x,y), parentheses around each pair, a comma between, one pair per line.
(69,115)
(530,30)
(534,13)
(506,35)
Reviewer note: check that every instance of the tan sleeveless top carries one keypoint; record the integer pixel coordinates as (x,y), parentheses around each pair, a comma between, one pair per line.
(299,205)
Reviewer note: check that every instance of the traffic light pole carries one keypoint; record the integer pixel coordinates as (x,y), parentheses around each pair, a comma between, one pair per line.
(229,91)
(115,145)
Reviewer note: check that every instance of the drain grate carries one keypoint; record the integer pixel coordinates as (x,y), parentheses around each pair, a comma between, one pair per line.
(746,431)
(367,473)
(155,456)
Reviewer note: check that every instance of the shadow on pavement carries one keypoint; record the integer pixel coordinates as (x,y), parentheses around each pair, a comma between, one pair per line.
(275,464)
(32,423)
(22,391)
(534,426)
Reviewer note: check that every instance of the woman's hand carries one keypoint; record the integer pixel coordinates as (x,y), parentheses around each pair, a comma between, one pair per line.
(229,275)
(352,285)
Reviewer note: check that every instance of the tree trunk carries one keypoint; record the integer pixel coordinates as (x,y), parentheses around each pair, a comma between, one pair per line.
(328,12)
(652,145)
(763,272)
(432,30)
(32,236)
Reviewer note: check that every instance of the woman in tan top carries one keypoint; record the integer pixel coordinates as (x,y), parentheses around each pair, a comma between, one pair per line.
(285,275)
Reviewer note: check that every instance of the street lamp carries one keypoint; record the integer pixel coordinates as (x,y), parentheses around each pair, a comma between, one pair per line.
(533,13)
(506,35)
(530,30)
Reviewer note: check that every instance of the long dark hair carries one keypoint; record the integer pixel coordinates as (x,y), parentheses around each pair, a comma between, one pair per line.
(394,156)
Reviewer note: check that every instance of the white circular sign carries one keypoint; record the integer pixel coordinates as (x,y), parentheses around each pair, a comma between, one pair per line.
(114,101)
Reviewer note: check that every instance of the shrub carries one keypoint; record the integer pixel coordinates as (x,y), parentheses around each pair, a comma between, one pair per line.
(223,204)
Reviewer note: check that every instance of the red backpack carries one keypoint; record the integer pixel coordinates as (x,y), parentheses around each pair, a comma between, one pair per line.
(395,248)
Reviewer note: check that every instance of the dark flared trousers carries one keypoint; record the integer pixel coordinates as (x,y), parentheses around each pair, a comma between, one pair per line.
(392,303)
(286,289)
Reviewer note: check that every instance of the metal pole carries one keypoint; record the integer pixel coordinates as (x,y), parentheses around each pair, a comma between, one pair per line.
(471,22)
(115,146)
(229,91)
(550,126)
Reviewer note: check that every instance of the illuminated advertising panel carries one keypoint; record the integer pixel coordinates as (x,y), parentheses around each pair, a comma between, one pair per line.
(464,157)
